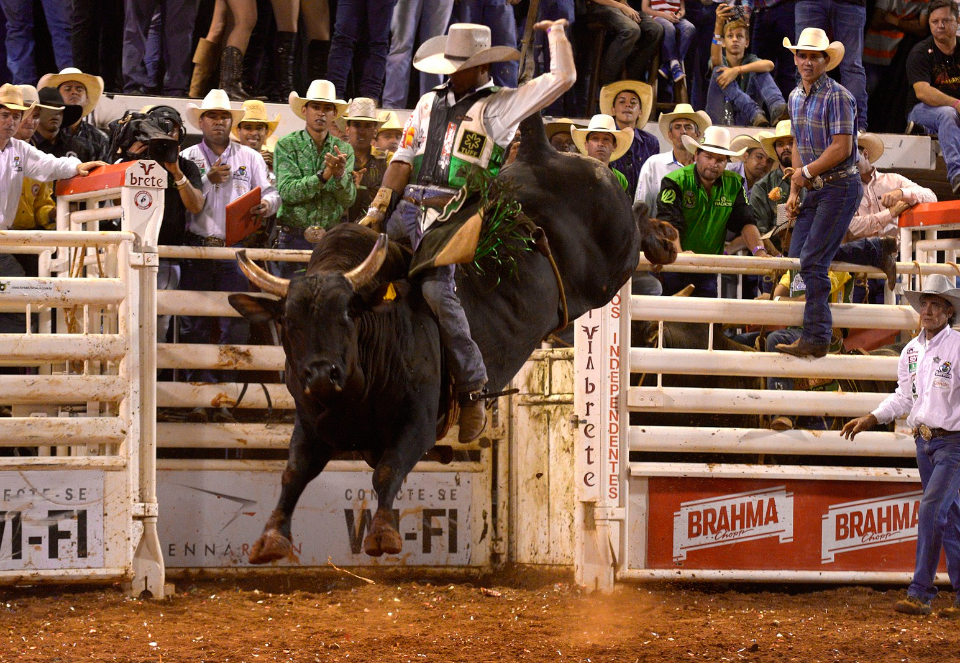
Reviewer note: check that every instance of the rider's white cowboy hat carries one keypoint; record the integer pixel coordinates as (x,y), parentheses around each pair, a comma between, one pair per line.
(815,39)
(769,139)
(255,111)
(681,111)
(935,284)
(94,85)
(608,94)
(872,145)
(319,90)
(715,140)
(603,124)
(464,46)
(215,100)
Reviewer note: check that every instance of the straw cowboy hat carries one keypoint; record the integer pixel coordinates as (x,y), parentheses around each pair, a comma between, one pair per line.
(715,140)
(11,96)
(769,139)
(49,99)
(255,111)
(603,124)
(363,109)
(815,39)
(389,122)
(872,145)
(215,100)
(935,284)
(700,118)
(94,85)
(746,142)
(30,95)
(559,126)
(464,46)
(608,94)
(319,90)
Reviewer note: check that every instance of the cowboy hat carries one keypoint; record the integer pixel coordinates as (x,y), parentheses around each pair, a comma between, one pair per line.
(319,90)
(815,39)
(94,85)
(746,142)
(770,138)
(603,124)
(715,140)
(362,109)
(700,118)
(30,95)
(49,99)
(389,122)
(215,100)
(464,46)
(935,284)
(609,93)
(558,126)
(872,145)
(255,111)
(12,97)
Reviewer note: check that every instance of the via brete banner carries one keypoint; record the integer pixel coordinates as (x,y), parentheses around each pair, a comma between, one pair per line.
(51,520)
(213,518)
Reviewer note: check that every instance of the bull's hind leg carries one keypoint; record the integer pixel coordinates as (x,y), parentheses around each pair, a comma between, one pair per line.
(391,470)
(304,463)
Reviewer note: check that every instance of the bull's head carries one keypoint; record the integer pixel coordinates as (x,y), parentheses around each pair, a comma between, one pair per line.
(319,314)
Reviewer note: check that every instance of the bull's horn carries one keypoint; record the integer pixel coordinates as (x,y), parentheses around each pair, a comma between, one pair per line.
(261,278)
(363,274)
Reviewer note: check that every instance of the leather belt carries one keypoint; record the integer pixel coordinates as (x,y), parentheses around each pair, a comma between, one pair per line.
(831,176)
(200,240)
(436,202)
(928,433)
(290,230)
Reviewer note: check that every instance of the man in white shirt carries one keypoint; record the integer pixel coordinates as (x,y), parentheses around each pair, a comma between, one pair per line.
(929,394)
(885,195)
(683,121)
(228,170)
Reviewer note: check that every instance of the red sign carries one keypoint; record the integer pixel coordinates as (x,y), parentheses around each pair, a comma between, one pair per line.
(761,524)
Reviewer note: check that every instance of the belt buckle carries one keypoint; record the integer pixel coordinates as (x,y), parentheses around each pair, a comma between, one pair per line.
(313,234)
(817,183)
(925,432)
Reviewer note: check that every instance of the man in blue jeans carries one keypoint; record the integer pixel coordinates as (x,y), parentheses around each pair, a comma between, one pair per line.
(927,392)
(824,125)
(414,21)
(20,41)
(933,73)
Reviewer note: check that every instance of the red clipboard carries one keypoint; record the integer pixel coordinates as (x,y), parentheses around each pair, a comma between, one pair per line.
(240,221)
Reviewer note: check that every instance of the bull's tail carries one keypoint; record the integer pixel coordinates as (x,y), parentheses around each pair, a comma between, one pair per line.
(533,141)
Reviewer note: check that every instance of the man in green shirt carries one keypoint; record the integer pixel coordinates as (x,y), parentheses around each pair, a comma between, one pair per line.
(603,141)
(314,173)
(703,201)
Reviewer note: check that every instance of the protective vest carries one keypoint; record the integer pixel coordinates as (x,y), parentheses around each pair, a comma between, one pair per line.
(705,214)
(457,141)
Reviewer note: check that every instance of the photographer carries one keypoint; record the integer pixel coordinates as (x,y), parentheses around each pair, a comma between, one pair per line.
(156,133)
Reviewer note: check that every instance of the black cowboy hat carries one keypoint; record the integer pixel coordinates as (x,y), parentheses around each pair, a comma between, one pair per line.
(49,98)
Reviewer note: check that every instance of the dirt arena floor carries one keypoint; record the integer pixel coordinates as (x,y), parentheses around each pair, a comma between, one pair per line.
(512,616)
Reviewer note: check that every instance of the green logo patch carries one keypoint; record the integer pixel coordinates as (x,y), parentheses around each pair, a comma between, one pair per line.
(668,197)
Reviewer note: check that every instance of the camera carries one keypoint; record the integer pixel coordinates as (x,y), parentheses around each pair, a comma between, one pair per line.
(146,128)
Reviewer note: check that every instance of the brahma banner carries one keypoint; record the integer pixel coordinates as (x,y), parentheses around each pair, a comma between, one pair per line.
(759,524)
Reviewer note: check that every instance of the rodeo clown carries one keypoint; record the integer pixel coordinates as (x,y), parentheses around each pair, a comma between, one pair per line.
(929,394)
(465,122)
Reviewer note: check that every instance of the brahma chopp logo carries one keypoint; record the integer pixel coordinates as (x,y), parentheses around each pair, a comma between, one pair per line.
(869,523)
(729,519)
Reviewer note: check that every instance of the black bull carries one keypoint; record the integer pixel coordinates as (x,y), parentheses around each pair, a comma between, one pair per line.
(365,370)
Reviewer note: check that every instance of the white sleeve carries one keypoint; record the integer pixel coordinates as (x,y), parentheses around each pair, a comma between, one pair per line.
(508,107)
(900,401)
(261,178)
(413,130)
(45,167)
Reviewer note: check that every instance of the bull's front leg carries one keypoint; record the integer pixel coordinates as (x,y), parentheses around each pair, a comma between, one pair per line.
(388,476)
(305,461)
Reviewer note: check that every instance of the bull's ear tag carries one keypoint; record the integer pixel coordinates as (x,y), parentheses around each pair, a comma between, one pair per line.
(390,294)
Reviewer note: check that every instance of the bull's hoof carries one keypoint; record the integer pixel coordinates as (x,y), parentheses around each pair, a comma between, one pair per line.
(270,547)
(382,539)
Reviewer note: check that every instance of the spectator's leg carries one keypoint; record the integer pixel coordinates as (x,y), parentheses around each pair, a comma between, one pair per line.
(649,44)
(19,15)
(820,213)
(770,26)
(403,31)
(686,34)
(625,32)
(347,28)
(434,19)
(196,275)
(866,251)
(669,47)
(498,15)
(703,19)
(178,17)
(763,88)
(716,101)
(945,122)
(153,60)
(849,21)
(745,108)
(774,338)
(84,37)
(379,13)
(137,17)
(58,15)
(5,76)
